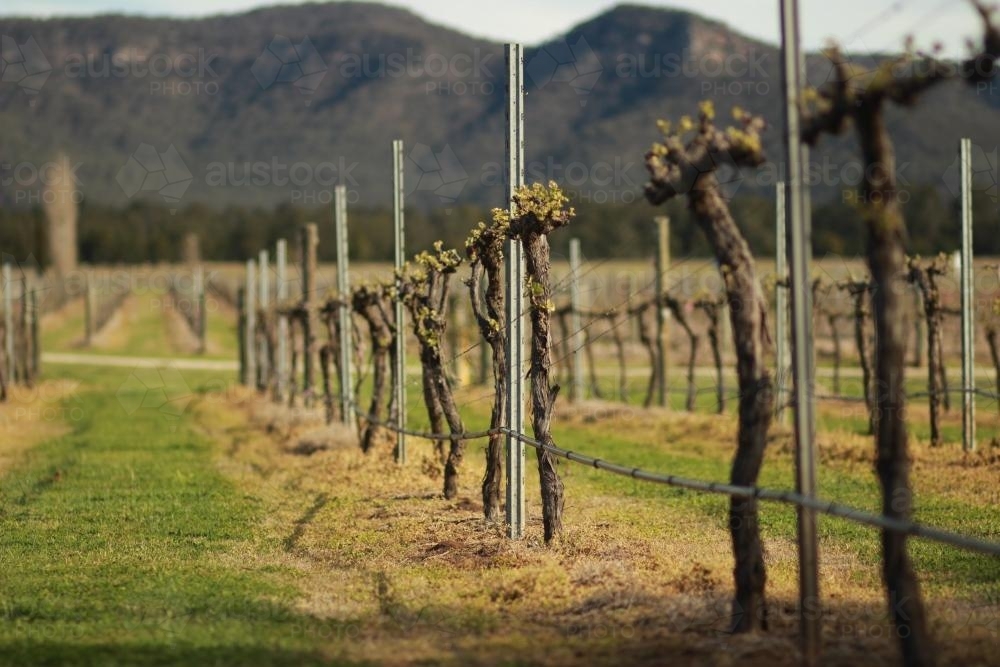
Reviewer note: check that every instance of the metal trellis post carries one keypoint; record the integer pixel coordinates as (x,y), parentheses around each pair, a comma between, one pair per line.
(8,320)
(200,305)
(662,312)
(281,354)
(514,279)
(399,229)
(800,251)
(968,304)
(781,304)
(250,332)
(89,310)
(308,242)
(344,290)
(263,282)
(575,333)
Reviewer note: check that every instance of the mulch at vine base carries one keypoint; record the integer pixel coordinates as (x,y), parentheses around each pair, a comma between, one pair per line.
(399,575)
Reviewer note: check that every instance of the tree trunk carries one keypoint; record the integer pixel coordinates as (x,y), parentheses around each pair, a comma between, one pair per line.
(456,450)
(934,388)
(859,292)
(991,338)
(433,404)
(426,296)
(942,369)
(614,322)
(494,334)
(747,315)
(564,362)
(924,278)
(543,394)
(293,364)
(692,390)
(325,354)
(712,312)
(886,261)
(647,342)
(436,382)
(241,336)
(3,367)
(369,303)
(835,334)
(595,388)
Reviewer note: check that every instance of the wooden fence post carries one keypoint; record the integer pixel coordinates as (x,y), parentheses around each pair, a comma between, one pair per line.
(89,311)
(575,334)
(662,313)
(344,290)
(263,351)
(199,295)
(8,320)
(34,329)
(308,242)
(241,332)
(281,259)
(250,308)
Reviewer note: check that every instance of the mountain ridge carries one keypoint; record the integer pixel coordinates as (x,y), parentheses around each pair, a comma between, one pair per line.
(323,88)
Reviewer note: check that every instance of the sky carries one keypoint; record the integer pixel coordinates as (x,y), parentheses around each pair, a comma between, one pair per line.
(859,25)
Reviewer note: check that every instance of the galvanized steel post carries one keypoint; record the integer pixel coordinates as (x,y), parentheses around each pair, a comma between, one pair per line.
(514,278)
(399,233)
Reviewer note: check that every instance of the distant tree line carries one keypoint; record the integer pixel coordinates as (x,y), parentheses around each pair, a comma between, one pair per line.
(148,232)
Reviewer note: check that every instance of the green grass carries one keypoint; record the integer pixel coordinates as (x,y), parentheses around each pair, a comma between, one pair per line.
(944,569)
(68,335)
(145,334)
(220,333)
(121,546)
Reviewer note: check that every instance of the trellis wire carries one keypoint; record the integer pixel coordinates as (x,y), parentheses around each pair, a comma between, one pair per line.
(733,490)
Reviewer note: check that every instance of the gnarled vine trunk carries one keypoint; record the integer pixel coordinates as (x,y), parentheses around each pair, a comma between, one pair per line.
(747,315)
(887,263)
(540,210)
(925,278)
(543,394)
(711,309)
(646,338)
(489,314)
(692,388)
(859,291)
(991,339)
(425,294)
(370,304)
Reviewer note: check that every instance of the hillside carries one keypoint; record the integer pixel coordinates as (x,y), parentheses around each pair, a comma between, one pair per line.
(275,105)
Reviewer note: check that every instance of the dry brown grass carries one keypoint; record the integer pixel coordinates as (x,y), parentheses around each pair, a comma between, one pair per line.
(403,576)
(179,335)
(114,335)
(32,415)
